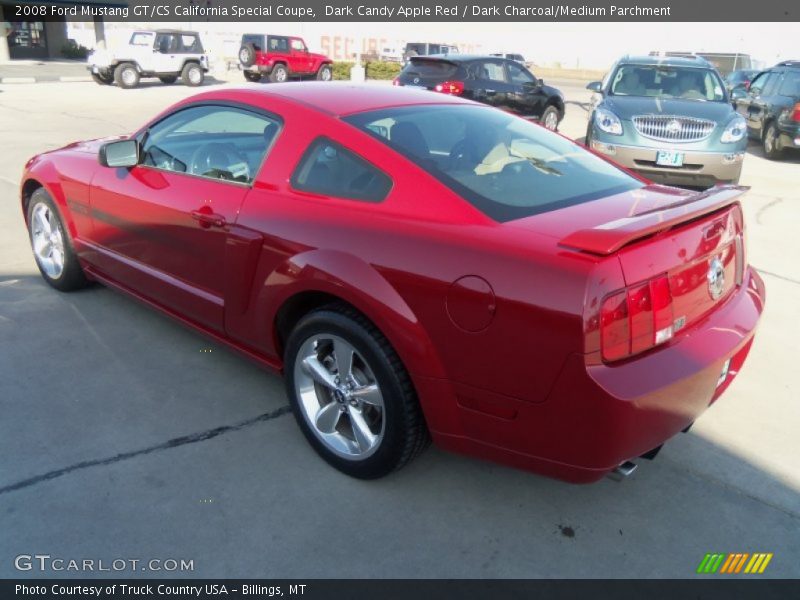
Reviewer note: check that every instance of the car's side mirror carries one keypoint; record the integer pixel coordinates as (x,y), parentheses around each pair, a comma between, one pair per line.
(595,86)
(539,82)
(124,153)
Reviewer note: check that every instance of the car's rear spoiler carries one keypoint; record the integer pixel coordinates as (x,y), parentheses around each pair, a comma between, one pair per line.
(609,237)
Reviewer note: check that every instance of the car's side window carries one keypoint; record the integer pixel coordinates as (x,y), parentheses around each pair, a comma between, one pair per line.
(771,86)
(218,142)
(493,71)
(278,44)
(519,75)
(298,45)
(790,86)
(757,85)
(189,44)
(165,43)
(331,170)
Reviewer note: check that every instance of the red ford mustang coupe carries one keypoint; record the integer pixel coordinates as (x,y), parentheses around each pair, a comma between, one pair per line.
(418,266)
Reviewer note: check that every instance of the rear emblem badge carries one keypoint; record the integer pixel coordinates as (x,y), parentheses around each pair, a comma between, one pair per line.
(716,278)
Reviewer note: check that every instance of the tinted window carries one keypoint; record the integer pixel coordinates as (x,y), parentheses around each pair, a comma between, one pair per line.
(790,86)
(277,44)
(491,70)
(331,170)
(166,43)
(771,83)
(219,142)
(688,83)
(189,44)
(518,74)
(505,166)
(256,40)
(426,68)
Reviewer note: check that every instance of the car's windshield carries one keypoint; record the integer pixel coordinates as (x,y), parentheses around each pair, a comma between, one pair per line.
(687,83)
(505,166)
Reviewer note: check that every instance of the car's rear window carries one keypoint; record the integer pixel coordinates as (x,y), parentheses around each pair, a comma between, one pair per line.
(425,68)
(503,165)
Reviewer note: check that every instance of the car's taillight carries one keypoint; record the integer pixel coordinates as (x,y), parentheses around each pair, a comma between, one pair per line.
(636,319)
(456,88)
(396,81)
(796,113)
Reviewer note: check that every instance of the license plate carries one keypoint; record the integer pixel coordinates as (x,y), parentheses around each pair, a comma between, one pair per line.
(665,158)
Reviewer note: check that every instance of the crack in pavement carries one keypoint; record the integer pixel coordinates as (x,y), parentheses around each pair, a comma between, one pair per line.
(173,443)
(771,274)
(766,207)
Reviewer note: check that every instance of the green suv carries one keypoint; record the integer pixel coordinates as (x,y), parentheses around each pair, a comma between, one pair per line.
(771,107)
(669,119)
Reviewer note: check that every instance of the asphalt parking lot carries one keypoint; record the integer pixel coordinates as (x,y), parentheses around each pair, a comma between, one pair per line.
(125,435)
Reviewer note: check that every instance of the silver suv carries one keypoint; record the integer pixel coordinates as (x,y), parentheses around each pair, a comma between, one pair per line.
(166,54)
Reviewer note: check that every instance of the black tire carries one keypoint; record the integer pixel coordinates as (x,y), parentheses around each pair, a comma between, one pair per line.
(405,434)
(126,75)
(192,74)
(168,79)
(587,140)
(550,115)
(252,77)
(102,79)
(771,143)
(279,74)
(247,55)
(325,73)
(71,277)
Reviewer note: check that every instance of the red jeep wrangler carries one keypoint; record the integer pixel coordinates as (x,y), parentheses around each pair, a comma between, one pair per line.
(280,57)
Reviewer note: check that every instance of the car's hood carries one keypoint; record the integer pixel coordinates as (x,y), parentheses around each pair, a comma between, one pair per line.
(627,107)
(89,146)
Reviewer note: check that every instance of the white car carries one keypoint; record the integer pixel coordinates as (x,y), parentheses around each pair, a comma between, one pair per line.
(166,54)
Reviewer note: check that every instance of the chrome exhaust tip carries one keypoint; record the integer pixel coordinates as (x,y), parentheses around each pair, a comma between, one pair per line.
(623,471)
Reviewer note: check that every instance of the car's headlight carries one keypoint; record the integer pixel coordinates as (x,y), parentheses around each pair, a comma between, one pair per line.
(607,121)
(735,131)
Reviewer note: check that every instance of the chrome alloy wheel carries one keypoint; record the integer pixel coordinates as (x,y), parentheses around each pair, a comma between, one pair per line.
(551,121)
(195,75)
(129,76)
(339,396)
(47,241)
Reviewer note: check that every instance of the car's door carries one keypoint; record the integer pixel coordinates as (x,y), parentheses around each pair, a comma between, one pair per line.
(161,228)
(302,61)
(527,97)
(753,106)
(165,57)
(489,83)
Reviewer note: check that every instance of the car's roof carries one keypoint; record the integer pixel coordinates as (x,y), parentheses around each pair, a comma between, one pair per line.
(458,57)
(342,98)
(669,61)
(179,31)
(792,64)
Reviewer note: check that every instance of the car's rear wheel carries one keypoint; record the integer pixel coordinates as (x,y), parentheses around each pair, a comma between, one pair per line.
(168,79)
(51,245)
(279,74)
(252,77)
(325,73)
(101,79)
(351,395)
(771,143)
(550,118)
(192,74)
(126,75)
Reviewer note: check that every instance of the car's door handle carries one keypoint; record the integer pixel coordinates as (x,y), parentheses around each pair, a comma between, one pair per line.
(208,219)
(488,91)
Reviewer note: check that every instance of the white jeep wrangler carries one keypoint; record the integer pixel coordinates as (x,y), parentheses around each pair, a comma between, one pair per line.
(165,53)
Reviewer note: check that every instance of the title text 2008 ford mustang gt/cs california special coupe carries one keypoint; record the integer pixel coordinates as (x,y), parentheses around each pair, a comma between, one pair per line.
(418,266)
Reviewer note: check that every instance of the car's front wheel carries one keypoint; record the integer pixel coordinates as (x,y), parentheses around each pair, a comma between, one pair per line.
(325,73)
(51,245)
(192,74)
(771,143)
(351,394)
(126,75)
(279,74)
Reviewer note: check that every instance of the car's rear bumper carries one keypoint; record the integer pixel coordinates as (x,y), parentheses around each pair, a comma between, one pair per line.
(599,415)
(699,167)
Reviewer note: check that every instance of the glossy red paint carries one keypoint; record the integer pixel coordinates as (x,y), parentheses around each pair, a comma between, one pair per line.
(497,323)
